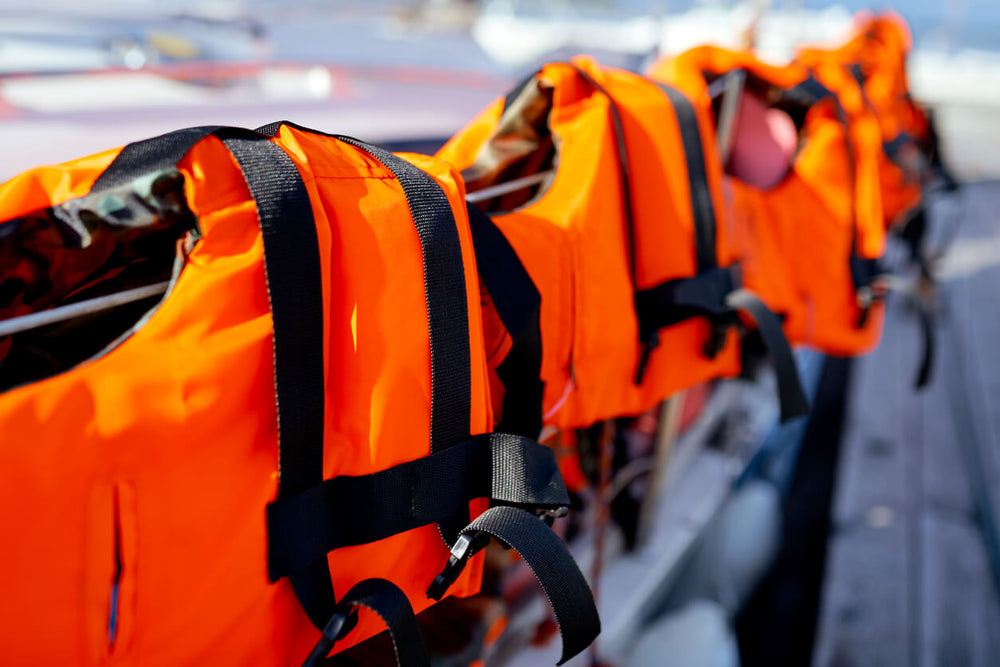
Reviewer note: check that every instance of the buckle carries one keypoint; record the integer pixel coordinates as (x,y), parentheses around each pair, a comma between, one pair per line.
(716,339)
(868,296)
(465,546)
(341,623)
(549,516)
(651,343)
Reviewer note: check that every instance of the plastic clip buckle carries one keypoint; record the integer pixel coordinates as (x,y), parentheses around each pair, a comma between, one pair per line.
(549,516)
(465,546)
(341,623)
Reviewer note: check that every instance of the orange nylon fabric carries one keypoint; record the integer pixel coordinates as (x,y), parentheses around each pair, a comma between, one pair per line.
(166,446)
(876,53)
(796,238)
(573,240)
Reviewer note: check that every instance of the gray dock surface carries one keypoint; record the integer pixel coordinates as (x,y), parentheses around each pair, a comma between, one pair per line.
(908,579)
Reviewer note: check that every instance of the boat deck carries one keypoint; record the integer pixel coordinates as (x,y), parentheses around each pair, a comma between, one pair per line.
(908,578)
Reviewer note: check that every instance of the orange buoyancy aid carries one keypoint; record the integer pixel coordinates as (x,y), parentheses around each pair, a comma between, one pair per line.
(875,57)
(810,240)
(622,222)
(302,424)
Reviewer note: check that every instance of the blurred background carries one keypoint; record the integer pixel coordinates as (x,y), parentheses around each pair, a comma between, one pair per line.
(864,535)
(88,76)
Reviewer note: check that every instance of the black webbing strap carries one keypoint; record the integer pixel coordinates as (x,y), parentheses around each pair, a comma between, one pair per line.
(294,279)
(390,603)
(513,292)
(151,155)
(809,92)
(791,396)
(701,195)
(564,585)
(678,300)
(806,93)
(517,302)
(927,329)
(507,469)
(674,301)
(624,176)
(715,294)
(445,294)
(858,73)
(932,147)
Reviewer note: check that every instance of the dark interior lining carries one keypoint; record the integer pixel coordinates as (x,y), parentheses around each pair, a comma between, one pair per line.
(521,145)
(92,246)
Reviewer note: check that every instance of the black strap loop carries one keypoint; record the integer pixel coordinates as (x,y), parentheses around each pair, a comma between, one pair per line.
(507,469)
(564,585)
(701,195)
(715,295)
(791,396)
(390,603)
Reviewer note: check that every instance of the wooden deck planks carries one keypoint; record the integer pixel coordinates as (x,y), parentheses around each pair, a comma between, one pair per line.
(908,580)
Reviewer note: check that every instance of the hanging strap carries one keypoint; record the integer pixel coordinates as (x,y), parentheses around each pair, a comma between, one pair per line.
(564,585)
(390,603)
(518,304)
(715,295)
(791,396)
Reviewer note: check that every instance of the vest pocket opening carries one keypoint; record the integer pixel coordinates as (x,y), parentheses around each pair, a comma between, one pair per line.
(110,570)
(89,248)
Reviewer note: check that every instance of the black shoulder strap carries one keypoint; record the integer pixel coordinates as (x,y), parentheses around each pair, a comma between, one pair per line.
(624,174)
(445,294)
(151,155)
(292,265)
(701,194)
(447,309)
(518,304)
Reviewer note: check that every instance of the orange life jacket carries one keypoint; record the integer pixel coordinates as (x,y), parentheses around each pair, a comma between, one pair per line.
(808,242)
(875,57)
(621,238)
(273,442)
